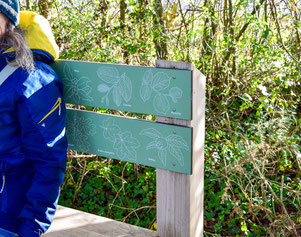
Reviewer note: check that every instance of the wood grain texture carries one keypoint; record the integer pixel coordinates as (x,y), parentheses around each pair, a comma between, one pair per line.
(73,223)
(179,196)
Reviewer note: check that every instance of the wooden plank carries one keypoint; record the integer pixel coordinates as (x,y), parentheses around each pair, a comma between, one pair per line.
(73,223)
(145,90)
(180,196)
(139,141)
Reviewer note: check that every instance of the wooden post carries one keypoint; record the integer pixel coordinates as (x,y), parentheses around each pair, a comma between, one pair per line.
(180,205)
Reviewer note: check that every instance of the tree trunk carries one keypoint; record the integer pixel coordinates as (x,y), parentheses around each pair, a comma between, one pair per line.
(141,22)
(159,31)
(27,4)
(122,29)
(45,8)
(242,30)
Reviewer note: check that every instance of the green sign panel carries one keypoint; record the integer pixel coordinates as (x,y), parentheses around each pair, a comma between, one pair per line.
(146,90)
(144,142)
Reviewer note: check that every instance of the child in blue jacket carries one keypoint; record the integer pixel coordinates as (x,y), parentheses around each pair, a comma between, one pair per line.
(32,123)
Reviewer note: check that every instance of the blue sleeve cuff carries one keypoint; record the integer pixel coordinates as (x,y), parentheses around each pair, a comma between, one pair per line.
(26,231)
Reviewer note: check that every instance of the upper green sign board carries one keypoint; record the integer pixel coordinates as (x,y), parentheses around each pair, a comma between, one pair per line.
(146,90)
(154,144)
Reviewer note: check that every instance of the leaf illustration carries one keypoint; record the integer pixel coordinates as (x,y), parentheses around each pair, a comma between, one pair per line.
(125,85)
(108,122)
(147,78)
(127,153)
(107,101)
(125,145)
(176,152)
(145,92)
(153,145)
(161,103)
(69,92)
(84,87)
(117,95)
(87,90)
(130,141)
(151,132)
(67,72)
(175,93)
(108,74)
(89,127)
(78,89)
(110,129)
(177,141)
(102,88)
(146,87)
(131,154)
(162,156)
(161,81)
(79,130)
(75,97)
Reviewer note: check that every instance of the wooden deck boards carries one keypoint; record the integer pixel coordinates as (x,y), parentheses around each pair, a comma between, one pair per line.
(73,223)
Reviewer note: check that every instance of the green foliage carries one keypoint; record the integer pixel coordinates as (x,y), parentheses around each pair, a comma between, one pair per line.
(116,189)
(250,54)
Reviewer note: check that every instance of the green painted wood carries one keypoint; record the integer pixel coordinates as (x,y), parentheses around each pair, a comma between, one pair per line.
(144,142)
(146,90)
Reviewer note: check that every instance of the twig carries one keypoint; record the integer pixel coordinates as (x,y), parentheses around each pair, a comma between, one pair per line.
(132,210)
(274,14)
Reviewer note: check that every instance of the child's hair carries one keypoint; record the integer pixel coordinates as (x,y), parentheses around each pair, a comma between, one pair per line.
(14,37)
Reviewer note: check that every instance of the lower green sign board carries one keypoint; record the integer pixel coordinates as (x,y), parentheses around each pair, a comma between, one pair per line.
(144,142)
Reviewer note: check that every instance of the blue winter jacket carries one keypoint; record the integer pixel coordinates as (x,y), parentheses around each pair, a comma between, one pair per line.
(32,136)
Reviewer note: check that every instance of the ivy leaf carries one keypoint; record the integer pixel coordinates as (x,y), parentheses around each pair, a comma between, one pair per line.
(108,74)
(175,94)
(161,103)
(102,88)
(161,81)
(151,132)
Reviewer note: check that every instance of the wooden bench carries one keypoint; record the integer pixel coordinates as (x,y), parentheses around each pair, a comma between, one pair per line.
(74,223)
(172,91)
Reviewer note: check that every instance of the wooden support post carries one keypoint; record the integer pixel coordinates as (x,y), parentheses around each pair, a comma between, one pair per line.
(180,205)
